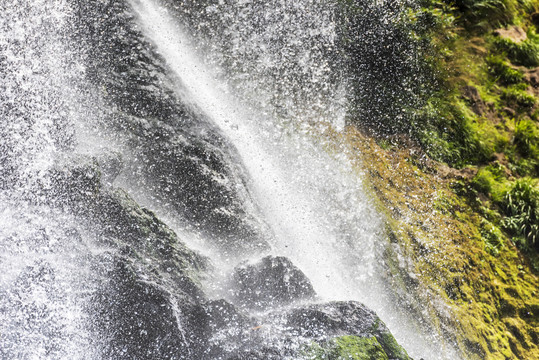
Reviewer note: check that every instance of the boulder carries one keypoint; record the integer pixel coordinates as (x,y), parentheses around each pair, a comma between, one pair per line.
(217,329)
(323,323)
(74,180)
(272,281)
(111,164)
(135,318)
(146,281)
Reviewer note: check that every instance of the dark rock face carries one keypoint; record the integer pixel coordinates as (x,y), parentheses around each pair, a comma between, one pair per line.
(288,333)
(273,281)
(333,319)
(146,279)
(177,155)
(384,62)
(119,221)
(135,318)
(217,329)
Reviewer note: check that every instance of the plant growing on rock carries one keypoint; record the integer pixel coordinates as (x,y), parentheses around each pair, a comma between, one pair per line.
(487,13)
(524,53)
(517,97)
(527,138)
(521,205)
(502,72)
(492,237)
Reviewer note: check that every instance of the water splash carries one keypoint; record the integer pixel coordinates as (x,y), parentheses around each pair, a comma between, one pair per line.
(269,85)
(273,53)
(43,284)
(313,200)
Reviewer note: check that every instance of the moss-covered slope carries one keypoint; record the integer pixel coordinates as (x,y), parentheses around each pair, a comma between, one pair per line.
(479,287)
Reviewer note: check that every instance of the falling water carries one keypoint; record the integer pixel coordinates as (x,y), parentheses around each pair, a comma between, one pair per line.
(313,200)
(264,80)
(44,257)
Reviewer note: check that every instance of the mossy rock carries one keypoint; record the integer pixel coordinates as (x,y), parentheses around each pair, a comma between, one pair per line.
(349,348)
(391,346)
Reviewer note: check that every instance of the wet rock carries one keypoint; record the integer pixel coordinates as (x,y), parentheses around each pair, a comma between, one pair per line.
(347,347)
(261,354)
(332,319)
(178,156)
(147,279)
(273,281)
(151,282)
(141,234)
(149,302)
(135,318)
(217,329)
(26,316)
(121,223)
(73,180)
(336,328)
(321,322)
(194,174)
(471,94)
(111,164)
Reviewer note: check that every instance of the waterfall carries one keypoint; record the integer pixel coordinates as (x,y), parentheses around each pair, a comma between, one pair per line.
(152,153)
(290,179)
(312,200)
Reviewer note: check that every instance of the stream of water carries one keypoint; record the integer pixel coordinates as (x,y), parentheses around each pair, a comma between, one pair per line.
(269,87)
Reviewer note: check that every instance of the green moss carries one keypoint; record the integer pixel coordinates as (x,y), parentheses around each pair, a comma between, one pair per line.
(352,347)
(491,181)
(391,347)
(346,348)
(527,139)
(449,132)
(502,72)
(483,181)
(492,236)
(516,97)
(492,295)
(487,13)
(521,205)
(524,53)
(525,167)
(435,15)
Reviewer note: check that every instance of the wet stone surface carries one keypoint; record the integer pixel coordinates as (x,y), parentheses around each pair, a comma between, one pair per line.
(270,282)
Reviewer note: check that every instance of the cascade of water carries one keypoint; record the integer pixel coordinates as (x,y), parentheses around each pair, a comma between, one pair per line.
(312,200)
(83,266)
(302,229)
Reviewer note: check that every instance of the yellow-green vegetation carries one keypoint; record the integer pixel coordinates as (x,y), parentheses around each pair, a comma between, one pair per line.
(347,348)
(521,205)
(463,267)
(483,110)
(456,170)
